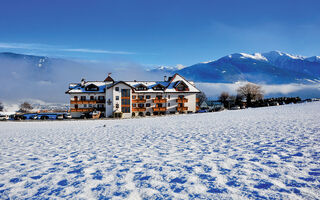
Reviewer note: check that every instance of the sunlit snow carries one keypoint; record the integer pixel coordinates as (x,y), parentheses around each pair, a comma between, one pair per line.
(262,153)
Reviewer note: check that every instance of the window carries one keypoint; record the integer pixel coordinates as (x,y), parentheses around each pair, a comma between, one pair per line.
(125,93)
(91,98)
(168,104)
(117,88)
(168,96)
(90,105)
(125,101)
(148,97)
(83,98)
(148,105)
(141,87)
(181,86)
(125,109)
(117,97)
(91,87)
(101,97)
(140,97)
(159,97)
(84,105)
(75,98)
(159,105)
(134,105)
(133,96)
(140,105)
(158,87)
(76,106)
(181,96)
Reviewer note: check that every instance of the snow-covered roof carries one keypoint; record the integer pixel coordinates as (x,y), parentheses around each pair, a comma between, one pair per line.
(168,86)
(79,88)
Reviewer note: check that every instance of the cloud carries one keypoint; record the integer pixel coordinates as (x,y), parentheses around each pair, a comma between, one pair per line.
(98,51)
(45,47)
(213,90)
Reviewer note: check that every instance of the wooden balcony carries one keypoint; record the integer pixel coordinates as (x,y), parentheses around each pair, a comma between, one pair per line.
(159,100)
(197,100)
(138,100)
(182,100)
(182,109)
(81,109)
(157,109)
(138,109)
(87,102)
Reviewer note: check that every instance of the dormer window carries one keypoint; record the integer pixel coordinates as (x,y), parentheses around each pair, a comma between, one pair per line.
(92,87)
(181,86)
(141,87)
(158,87)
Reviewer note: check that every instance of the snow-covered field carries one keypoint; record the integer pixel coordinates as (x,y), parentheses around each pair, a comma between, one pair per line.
(263,153)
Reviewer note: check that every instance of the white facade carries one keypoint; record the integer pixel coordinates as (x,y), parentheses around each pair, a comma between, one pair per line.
(133,98)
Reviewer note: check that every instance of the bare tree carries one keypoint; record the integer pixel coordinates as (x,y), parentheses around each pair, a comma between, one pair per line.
(202,97)
(1,106)
(223,98)
(25,107)
(250,92)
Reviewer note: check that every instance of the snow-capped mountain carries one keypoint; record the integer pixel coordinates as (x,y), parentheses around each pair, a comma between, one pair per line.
(271,68)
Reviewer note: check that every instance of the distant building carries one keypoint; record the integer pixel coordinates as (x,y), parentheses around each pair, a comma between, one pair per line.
(133,98)
(211,105)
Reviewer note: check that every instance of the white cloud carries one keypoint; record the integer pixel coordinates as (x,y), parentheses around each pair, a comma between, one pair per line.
(45,47)
(304,91)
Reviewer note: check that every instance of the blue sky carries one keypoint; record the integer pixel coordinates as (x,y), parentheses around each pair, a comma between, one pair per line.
(154,32)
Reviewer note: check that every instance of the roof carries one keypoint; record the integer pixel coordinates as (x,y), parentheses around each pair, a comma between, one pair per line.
(109,79)
(118,82)
(169,86)
(77,88)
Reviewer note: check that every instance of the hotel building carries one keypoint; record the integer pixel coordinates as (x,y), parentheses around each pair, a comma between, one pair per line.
(133,98)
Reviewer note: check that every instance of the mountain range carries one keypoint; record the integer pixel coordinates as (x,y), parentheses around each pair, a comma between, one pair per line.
(273,67)
(25,77)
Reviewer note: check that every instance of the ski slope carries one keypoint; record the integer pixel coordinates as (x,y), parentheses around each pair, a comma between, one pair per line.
(262,153)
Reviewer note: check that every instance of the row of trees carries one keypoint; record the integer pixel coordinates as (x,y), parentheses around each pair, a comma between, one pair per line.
(250,92)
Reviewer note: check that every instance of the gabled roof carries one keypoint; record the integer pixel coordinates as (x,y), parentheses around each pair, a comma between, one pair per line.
(109,79)
(177,79)
(77,88)
(158,85)
(168,86)
(118,82)
(140,85)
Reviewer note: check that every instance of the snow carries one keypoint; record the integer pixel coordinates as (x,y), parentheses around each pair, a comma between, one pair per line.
(256,56)
(262,153)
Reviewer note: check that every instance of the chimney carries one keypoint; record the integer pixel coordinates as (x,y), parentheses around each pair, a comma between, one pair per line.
(165,78)
(83,81)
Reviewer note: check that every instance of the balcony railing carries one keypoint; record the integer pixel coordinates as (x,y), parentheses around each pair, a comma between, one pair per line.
(157,109)
(87,101)
(182,100)
(81,109)
(138,109)
(159,100)
(138,100)
(182,109)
